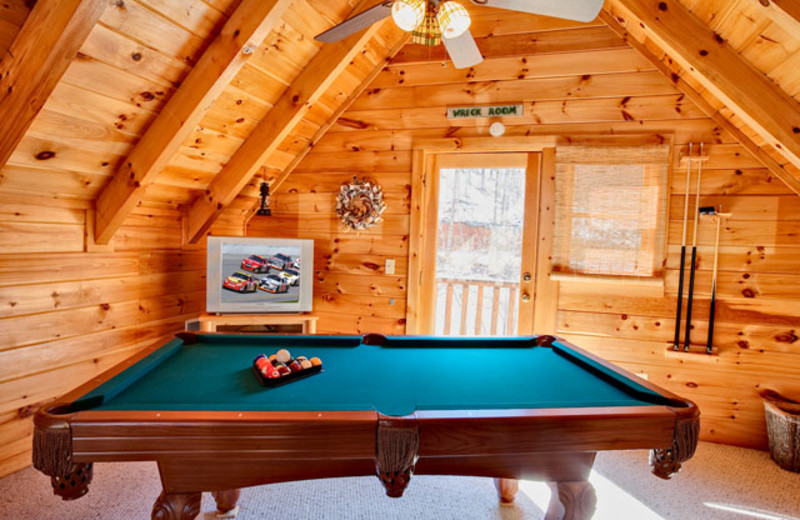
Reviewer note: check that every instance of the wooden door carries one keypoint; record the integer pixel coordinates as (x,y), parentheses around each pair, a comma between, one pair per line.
(478,253)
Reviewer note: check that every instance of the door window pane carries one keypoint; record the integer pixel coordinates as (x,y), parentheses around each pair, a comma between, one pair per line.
(479,244)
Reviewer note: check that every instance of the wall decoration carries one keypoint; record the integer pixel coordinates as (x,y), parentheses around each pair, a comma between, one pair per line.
(360,204)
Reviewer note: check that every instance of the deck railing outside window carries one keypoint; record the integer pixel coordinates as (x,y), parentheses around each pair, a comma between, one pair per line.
(476,307)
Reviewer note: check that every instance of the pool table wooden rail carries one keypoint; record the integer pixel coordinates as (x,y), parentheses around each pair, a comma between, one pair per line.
(222,450)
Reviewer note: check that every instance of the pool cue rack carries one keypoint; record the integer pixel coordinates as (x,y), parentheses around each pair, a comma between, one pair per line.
(692,164)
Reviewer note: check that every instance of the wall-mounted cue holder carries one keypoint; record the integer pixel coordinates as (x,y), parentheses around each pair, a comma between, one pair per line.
(686,154)
(691,163)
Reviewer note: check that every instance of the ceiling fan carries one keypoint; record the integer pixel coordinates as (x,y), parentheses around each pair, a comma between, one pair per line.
(445,21)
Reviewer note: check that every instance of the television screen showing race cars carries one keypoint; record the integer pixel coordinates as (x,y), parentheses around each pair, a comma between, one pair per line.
(260,273)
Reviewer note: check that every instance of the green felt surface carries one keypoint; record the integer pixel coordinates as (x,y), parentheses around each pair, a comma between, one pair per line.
(396,379)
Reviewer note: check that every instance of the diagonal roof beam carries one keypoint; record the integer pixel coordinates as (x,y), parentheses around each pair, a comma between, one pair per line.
(341,109)
(708,58)
(245,30)
(724,124)
(310,85)
(36,60)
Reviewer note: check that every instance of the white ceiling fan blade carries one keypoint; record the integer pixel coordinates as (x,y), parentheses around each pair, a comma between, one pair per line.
(463,51)
(360,21)
(578,10)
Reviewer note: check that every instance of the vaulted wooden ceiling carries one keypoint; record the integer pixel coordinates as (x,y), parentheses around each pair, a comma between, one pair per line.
(184,105)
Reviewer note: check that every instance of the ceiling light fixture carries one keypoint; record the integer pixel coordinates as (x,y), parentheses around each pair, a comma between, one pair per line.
(408,14)
(453,19)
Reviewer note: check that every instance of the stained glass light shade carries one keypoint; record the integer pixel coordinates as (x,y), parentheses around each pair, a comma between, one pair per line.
(428,32)
(453,19)
(408,14)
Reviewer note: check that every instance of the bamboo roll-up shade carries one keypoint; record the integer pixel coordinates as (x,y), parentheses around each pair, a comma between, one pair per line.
(611,210)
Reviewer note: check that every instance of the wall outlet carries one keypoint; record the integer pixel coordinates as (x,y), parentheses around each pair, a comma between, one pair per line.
(389,267)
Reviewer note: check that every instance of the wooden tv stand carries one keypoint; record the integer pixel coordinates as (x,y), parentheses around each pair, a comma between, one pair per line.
(210,322)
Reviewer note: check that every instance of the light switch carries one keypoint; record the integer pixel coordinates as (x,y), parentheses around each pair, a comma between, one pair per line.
(389,268)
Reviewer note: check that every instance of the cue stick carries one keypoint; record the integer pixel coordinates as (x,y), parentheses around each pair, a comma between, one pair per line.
(677,342)
(688,338)
(710,342)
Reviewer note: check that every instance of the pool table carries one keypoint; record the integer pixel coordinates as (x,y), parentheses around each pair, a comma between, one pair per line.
(521,407)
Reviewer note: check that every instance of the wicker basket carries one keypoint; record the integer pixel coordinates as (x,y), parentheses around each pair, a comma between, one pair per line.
(783,428)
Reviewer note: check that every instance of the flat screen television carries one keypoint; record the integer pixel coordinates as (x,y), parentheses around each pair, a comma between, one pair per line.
(259,275)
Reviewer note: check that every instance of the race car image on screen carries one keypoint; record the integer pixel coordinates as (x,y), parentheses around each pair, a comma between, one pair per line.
(291,276)
(256,264)
(274,284)
(280,261)
(241,282)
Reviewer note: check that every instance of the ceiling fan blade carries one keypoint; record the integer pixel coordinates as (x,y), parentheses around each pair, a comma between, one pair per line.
(463,50)
(578,10)
(360,21)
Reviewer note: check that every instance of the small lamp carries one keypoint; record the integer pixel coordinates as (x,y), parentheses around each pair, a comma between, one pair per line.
(408,14)
(263,210)
(453,19)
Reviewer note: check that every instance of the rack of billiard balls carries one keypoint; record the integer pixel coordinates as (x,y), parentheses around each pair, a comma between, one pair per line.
(281,368)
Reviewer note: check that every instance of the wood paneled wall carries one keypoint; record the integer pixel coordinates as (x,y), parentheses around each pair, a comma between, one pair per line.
(67,315)
(573,80)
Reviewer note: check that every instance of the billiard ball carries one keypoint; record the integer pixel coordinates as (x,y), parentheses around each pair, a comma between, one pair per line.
(270,373)
(306,364)
(283,355)
(315,361)
(294,366)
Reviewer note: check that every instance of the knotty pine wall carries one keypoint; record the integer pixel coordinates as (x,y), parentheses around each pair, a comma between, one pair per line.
(580,80)
(67,315)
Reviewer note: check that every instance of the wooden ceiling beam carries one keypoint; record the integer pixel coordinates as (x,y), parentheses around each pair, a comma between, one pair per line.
(33,65)
(708,58)
(244,31)
(286,113)
(341,109)
(719,119)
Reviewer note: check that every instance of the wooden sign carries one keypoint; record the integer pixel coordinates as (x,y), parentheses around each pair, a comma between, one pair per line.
(484,111)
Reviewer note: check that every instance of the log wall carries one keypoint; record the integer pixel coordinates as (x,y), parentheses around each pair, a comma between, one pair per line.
(573,80)
(67,315)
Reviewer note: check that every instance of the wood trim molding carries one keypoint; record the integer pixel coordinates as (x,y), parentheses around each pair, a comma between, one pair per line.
(771,164)
(33,65)
(231,49)
(296,101)
(708,58)
(545,311)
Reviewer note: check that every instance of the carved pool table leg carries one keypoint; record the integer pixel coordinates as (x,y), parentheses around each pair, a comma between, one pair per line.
(177,506)
(506,489)
(226,502)
(571,501)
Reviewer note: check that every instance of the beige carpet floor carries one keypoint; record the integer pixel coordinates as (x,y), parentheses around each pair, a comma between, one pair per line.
(720,482)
